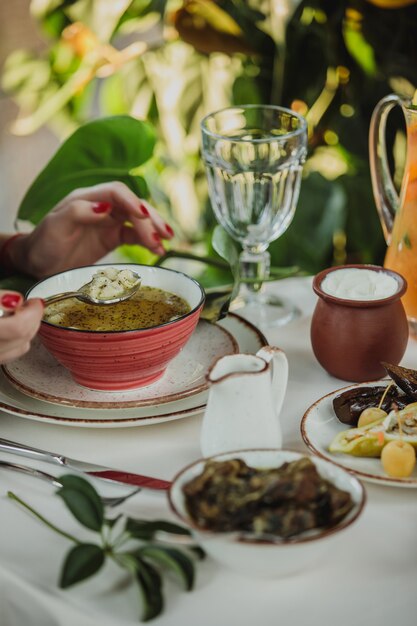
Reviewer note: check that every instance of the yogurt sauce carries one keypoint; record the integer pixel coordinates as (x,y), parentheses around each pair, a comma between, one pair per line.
(359,284)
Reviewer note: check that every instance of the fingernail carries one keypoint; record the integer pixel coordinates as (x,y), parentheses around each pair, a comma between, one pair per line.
(156,237)
(169,230)
(10,300)
(144,210)
(101,207)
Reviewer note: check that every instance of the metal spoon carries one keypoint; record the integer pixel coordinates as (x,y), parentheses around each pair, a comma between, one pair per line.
(83,295)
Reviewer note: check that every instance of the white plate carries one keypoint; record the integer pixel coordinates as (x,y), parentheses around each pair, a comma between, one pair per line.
(320,426)
(38,374)
(249,340)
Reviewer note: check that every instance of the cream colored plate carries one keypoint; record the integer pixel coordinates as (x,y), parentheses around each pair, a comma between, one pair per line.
(12,400)
(320,425)
(38,374)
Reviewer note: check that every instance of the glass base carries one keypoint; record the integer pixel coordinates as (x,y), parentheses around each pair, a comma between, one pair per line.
(265,310)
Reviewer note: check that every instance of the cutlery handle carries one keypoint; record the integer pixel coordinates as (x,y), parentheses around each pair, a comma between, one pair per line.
(61,296)
(32,453)
(30,471)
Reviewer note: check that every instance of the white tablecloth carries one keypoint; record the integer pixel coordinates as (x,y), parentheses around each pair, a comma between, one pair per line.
(369,579)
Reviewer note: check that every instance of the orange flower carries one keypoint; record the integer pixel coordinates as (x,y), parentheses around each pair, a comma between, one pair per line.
(80,38)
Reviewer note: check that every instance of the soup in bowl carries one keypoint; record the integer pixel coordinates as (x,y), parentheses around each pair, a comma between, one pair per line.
(124,345)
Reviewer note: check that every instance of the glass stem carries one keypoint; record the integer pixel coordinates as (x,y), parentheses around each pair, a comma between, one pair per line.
(254,268)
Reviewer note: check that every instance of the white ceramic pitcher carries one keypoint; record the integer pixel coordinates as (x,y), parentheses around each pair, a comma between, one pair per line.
(246,394)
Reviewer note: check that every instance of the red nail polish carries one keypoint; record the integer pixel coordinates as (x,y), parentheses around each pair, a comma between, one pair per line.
(169,230)
(156,237)
(10,300)
(101,207)
(144,210)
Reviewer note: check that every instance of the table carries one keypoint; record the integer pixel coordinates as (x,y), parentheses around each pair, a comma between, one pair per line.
(368,579)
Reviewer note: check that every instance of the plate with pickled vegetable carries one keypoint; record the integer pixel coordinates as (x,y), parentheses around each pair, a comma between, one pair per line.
(369,428)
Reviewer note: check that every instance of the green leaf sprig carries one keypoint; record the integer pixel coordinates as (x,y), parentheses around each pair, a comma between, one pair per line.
(139,546)
(218,298)
(104,150)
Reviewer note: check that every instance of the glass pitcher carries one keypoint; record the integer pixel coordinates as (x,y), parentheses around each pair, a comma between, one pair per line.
(398,213)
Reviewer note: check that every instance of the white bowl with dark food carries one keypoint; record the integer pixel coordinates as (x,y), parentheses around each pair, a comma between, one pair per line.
(268,512)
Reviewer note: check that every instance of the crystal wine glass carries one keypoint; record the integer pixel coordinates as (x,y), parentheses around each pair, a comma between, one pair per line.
(254,156)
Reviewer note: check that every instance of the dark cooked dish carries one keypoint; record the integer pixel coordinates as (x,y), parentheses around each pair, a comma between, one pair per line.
(349,405)
(285,501)
(405,378)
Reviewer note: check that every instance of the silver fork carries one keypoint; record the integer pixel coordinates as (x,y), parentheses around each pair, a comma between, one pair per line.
(109,501)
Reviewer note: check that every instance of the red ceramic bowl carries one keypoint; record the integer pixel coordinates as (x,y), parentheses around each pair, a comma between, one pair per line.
(118,360)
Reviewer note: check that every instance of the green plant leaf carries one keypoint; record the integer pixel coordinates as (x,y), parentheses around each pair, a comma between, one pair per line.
(218,300)
(111,522)
(198,552)
(278,273)
(360,49)
(246,91)
(173,559)
(143,529)
(150,584)
(18,282)
(81,562)
(100,151)
(321,212)
(225,247)
(82,500)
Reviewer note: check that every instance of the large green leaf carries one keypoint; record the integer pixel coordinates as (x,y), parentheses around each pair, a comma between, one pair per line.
(172,559)
(17,282)
(144,529)
(82,500)
(81,562)
(150,585)
(226,248)
(100,151)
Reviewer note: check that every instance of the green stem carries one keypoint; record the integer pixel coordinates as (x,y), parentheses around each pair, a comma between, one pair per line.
(13,496)
(193,257)
(278,73)
(275,274)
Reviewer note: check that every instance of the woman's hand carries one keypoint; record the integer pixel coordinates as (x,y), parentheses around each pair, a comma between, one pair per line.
(18,329)
(85,226)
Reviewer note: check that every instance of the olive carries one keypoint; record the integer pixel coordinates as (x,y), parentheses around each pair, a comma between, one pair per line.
(410,408)
(369,415)
(398,459)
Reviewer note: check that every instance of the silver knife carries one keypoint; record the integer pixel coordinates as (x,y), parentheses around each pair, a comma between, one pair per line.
(90,469)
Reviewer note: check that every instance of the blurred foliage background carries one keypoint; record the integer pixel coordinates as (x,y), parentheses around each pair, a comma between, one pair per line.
(173,61)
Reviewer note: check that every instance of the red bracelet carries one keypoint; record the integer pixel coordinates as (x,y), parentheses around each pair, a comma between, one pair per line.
(6,265)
